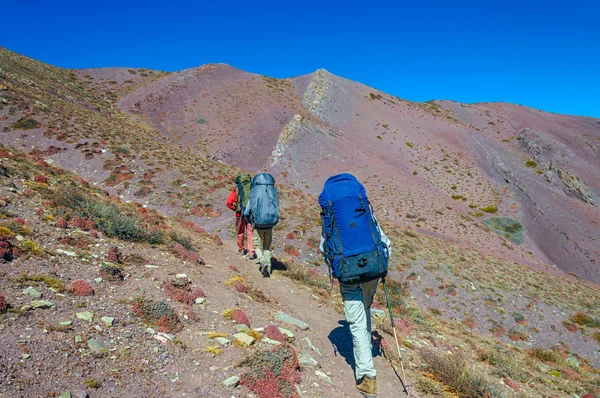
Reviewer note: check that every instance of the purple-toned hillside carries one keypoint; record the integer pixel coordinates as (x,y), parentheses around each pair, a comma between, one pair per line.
(440,167)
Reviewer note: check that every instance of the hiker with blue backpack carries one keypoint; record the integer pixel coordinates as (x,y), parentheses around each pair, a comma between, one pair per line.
(263,213)
(357,253)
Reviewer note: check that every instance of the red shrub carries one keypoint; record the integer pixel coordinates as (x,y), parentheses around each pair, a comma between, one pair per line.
(3,303)
(6,250)
(291,250)
(469,322)
(240,317)
(89,224)
(197,293)
(62,223)
(233,268)
(498,331)
(290,236)
(263,385)
(77,222)
(273,332)
(183,294)
(168,324)
(239,286)
(114,255)
(274,373)
(19,220)
(94,233)
(81,288)
(40,179)
(570,374)
(187,255)
(512,384)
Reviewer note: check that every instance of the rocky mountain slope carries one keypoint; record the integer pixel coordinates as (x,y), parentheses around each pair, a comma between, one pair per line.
(488,207)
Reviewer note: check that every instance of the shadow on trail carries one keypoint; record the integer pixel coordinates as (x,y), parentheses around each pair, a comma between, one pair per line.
(277,265)
(341,340)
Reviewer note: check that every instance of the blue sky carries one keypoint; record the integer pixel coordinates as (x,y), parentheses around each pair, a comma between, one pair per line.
(542,54)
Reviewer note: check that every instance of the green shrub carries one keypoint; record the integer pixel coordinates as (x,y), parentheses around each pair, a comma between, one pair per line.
(25,124)
(490,209)
(507,227)
(108,218)
(531,164)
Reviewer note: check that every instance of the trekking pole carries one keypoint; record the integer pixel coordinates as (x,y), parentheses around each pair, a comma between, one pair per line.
(395,337)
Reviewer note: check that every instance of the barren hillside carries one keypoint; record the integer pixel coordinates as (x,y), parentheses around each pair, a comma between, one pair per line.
(492,210)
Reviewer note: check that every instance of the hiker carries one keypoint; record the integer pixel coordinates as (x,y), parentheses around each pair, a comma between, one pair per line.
(237,201)
(357,252)
(263,213)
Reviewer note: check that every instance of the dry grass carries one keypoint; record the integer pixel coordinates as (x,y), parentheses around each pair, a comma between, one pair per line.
(456,372)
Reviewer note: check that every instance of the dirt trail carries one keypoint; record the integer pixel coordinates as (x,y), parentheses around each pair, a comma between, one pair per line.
(329,333)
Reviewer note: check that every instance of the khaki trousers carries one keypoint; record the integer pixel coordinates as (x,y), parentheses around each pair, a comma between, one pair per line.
(262,239)
(357,309)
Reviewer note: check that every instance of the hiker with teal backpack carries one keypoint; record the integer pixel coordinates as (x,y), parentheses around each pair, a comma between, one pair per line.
(263,213)
(357,252)
(237,201)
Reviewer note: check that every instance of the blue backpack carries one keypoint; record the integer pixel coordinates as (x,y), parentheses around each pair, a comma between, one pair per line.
(264,202)
(352,248)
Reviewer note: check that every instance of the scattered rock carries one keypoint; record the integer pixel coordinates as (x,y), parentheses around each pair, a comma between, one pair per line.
(223,341)
(270,341)
(42,304)
(107,320)
(65,394)
(323,376)
(98,280)
(97,346)
(312,346)
(282,316)
(376,312)
(86,316)
(306,360)
(25,356)
(65,252)
(244,338)
(30,291)
(78,339)
(65,323)
(82,394)
(200,300)
(288,333)
(242,328)
(231,382)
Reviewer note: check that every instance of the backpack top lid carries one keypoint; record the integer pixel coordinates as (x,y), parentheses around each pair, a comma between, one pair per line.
(263,179)
(243,178)
(340,186)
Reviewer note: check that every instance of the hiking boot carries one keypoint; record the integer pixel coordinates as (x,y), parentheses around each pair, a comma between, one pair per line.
(368,387)
(253,256)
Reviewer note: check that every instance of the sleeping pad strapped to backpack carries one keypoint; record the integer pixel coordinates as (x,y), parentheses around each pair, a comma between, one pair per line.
(243,184)
(264,202)
(353,248)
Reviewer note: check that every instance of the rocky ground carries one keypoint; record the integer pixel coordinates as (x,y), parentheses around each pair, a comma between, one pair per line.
(122,278)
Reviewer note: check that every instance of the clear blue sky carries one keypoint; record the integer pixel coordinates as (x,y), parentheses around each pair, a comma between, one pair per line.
(542,54)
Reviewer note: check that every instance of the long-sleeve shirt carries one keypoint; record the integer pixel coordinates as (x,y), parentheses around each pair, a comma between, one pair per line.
(232,200)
